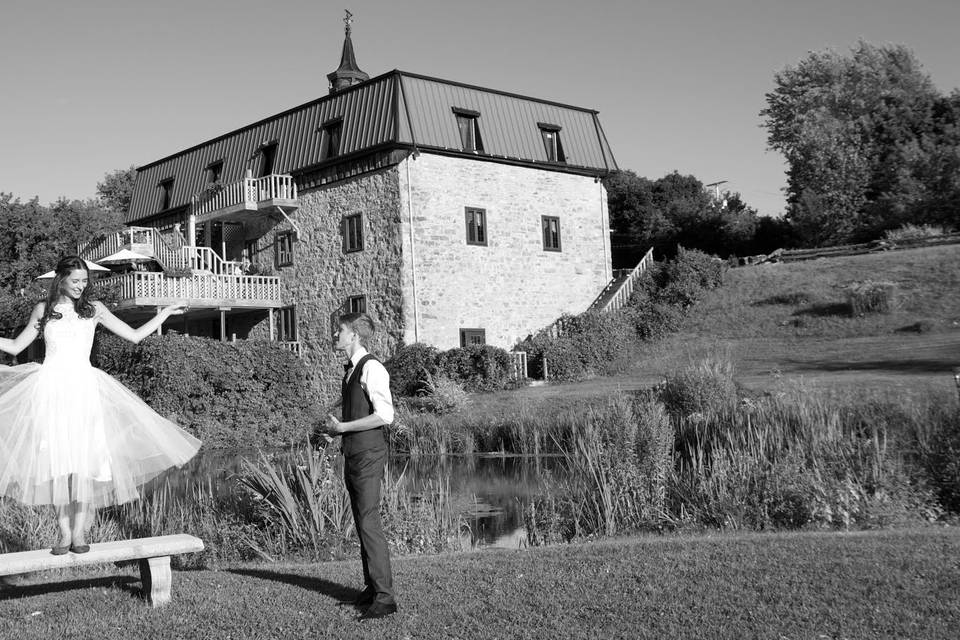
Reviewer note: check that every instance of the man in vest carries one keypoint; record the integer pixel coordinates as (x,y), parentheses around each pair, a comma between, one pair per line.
(366,408)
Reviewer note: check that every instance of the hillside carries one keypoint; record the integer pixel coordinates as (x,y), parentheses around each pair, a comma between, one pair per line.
(791,324)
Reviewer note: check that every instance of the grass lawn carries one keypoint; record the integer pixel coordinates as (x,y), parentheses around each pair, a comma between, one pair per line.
(788,324)
(895,584)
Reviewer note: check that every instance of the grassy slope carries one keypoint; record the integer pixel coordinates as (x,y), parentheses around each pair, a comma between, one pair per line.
(782,323)
(800,585)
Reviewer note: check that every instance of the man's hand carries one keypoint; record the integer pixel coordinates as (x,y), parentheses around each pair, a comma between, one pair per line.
(319,437)
(333,426)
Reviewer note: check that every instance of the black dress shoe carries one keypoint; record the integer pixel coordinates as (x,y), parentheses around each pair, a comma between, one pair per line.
(59,551)
(365,598)
(379,610)
(79,548)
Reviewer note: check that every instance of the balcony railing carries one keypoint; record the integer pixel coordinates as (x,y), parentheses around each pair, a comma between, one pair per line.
(248,194)
(141,288)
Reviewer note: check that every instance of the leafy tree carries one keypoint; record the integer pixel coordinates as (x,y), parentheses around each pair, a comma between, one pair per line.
(116,189)
(868,142)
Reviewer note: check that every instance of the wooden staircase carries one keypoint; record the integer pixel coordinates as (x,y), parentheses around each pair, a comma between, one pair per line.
(617,293)
(150,242)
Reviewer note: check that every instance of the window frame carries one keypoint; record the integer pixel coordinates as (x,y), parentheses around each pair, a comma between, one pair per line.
(287,319)
(214,171)
(466,333)
(283,258)
(482,228)
(552,144)
(468,119)
(329,150)
(348,246)
(544,229)
(359,307)
(166,193)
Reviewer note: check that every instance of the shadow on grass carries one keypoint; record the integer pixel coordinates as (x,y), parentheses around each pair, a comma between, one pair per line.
(903,366)
(826,309)
(341,593)
(10,591)
(789,299)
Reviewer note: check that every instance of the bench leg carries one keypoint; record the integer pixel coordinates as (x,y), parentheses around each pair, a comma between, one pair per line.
(155,579)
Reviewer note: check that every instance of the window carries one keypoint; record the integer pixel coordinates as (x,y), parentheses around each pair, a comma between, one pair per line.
(476,226)
(551,233)
(551,142)
(330,146)
(269,152)
(287,324)
(214,171)
(472,336)
(356,304)
(166,193)
(469,124)
(284,248)
(353,233)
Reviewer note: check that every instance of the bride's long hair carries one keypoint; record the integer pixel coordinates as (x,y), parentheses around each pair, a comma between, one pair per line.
(83,305)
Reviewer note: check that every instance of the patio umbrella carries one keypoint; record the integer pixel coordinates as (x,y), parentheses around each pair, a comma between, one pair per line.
(92,266)
(124,256)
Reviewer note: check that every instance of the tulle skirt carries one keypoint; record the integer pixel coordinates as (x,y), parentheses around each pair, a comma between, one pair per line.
(73,433)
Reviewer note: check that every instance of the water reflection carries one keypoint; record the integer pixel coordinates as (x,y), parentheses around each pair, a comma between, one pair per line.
(490,492)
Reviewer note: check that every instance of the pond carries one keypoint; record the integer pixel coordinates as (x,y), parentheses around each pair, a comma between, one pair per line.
(489,491)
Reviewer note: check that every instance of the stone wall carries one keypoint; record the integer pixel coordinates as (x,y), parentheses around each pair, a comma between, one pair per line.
(322,275)
(512,287)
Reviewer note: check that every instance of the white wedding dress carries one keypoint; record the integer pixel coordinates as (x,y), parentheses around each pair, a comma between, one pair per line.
(70,432)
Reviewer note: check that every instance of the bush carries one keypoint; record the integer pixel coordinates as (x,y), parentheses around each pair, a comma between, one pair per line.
(684,279)
(872,297)
(441,395)
(705,388)
(410,367)
(476,367)
(250,393)
(656,320)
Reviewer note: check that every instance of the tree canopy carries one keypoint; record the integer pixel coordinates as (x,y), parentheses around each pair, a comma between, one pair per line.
(672,211)
(870,144)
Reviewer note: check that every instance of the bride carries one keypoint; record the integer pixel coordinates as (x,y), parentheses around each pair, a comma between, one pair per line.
(70,435)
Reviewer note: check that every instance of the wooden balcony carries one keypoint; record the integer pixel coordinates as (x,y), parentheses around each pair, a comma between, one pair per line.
(203,291)
(247,199)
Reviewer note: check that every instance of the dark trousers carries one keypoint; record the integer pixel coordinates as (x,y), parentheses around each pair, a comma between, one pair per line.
(362,473)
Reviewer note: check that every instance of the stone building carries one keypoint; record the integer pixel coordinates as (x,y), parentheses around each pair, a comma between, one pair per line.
(453,214)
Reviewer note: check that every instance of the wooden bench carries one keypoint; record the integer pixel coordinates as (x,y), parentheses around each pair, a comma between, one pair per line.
(153,554)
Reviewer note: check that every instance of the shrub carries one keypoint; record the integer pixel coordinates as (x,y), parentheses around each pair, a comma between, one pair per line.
(409,368)
(872,297)
(706,388)
(656,320)
(684,279)
(476,367)
(442,395)
(248,393)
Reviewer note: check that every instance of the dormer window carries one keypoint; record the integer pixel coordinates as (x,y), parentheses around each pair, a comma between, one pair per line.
(268,151)
(330,145)
(214,171)
(166,193)
(468,122)
(551,142)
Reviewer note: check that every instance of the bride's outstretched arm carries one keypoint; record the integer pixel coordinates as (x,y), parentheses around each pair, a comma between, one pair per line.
(125,331)
(29,334)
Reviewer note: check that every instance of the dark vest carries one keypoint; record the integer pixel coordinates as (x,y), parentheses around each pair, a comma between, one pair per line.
(357,404)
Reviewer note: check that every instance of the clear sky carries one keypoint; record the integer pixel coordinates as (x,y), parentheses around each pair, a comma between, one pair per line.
(93,86)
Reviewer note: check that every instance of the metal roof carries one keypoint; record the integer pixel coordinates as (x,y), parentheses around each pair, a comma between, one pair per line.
(399,108)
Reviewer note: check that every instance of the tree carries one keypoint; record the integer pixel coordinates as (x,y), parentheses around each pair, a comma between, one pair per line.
(674,211)
(859,133)
(116,189)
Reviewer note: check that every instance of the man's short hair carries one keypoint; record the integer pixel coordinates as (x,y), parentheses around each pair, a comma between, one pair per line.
(361,324)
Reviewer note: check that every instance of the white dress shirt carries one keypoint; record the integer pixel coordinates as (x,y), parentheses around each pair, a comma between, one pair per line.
(375,380)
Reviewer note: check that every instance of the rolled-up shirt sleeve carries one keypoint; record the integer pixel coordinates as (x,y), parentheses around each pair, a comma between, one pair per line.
(376,382)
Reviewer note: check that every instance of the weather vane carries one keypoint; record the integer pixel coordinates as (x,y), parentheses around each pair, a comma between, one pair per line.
(347,20)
